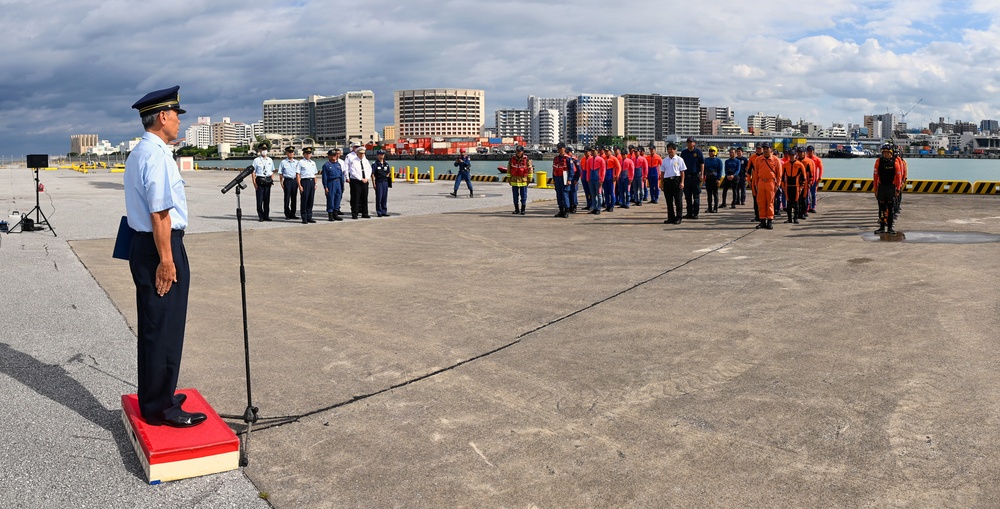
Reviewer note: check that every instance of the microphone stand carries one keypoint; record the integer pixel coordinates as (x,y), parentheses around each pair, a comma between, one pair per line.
(250,414)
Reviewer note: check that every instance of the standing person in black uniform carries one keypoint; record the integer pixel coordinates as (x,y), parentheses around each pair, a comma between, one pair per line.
(157,210)
(381,171)
(306,180)
(263,179)
(694,175)
(888,181)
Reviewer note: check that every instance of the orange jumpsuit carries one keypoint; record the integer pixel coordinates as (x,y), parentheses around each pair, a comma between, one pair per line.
(793,184)
(766,175)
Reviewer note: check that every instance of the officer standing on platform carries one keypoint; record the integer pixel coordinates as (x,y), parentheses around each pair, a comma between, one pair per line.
(359,171)
(157,210)
(263,179)
(306,180)
(333,185)
(381,171)
(288,170)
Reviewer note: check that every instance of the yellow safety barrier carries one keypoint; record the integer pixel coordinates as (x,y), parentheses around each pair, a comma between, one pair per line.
(938,186)
(117,170)
(392,174)
(485,178)
(846,185)
(432,174)
(416,175)
(986,188)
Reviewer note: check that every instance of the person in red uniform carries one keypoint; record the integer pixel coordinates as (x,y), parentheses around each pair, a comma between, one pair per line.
(817,176)
(888,181)
(614,170)
(641,174)
(793,184)
(653,177)
(519,168)
(766,175)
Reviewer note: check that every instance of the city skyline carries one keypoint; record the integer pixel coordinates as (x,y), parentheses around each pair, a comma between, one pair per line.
(823,62)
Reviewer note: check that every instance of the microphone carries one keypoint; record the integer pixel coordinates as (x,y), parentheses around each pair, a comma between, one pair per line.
(239,178)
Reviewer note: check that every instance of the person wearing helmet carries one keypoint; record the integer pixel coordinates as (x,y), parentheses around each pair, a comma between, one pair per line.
(263,179)
(519,170)
(888,181)
(713,173)
(793,182)
(464,164)
(381,172)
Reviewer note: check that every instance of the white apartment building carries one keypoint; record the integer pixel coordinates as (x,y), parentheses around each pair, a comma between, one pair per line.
(513,122)
(594,116)
(455,112)
(538,104)
(549,127)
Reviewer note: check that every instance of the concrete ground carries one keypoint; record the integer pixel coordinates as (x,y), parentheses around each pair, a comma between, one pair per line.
(457,355)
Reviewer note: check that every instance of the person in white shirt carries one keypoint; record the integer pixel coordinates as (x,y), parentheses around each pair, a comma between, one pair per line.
(359,171)
(673,184)
(263,179)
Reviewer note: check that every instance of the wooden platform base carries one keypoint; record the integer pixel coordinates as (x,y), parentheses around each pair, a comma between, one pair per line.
(168,454)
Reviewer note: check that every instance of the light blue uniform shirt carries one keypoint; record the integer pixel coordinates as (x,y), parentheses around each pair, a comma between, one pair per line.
(153,184)
(289,168)
(263,167)
(307,169)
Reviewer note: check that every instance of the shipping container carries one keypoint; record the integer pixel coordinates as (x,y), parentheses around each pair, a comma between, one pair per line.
(496,141)
(439,145)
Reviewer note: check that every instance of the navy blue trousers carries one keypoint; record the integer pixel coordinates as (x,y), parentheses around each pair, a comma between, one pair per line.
(160,326)
(308,198)
(381,197)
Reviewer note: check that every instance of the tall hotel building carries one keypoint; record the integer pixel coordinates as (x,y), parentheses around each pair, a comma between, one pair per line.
(440,112)
(337,119)
(81,143)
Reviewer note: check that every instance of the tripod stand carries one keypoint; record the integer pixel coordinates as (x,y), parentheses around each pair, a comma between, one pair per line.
(250,414)
(37,210)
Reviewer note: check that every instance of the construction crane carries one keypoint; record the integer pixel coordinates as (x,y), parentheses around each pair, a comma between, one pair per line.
(903,114)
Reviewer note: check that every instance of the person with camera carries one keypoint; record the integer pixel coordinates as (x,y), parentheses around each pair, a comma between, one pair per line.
(464,164)
(263,179)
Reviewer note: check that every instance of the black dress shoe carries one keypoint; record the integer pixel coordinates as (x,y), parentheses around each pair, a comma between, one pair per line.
(338,218)
(185,420)
(365,216)
(294,217)
(311,220)
(267,219)
(180,398)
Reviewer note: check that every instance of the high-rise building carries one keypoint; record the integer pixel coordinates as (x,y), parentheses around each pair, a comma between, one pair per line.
(881,126)
(439,112)
(989,126)
(538,104)
(549,127)
(760,123)
(653,117)
(81,143)
(713,117)
(326,119)
(389,132)
(594,114)
(513,122)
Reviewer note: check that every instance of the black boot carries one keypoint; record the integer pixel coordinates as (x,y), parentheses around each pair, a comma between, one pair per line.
(881,227)
(769,225)
(329,216)
(522,209)
(559,214)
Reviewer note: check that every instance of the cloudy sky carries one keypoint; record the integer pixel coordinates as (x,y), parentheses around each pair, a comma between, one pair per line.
(76,67)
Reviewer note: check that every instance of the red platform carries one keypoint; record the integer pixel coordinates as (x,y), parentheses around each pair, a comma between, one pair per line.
(168,454)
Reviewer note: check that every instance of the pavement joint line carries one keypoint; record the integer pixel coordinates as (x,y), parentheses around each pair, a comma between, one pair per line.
(290,419)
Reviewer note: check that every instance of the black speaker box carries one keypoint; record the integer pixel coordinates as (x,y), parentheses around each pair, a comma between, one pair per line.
(38,161)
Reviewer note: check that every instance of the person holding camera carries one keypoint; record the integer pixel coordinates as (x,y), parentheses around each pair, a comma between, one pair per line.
(464,164)
(263,179)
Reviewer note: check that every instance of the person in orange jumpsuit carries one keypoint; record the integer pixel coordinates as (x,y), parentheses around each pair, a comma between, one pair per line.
(793,184)
(610,178)
(809,169)
(758,151)
(888,182)
(766,175)
(817,176)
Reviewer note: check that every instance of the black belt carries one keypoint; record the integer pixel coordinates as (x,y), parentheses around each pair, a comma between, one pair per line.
(173,233)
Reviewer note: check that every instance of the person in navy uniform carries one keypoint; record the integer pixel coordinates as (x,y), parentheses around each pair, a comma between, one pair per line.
(287,172)
(572,179)
(263,179)
(381,172)
(333,185)
(694,175)
(464,164)
(156,207)
(306,179)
